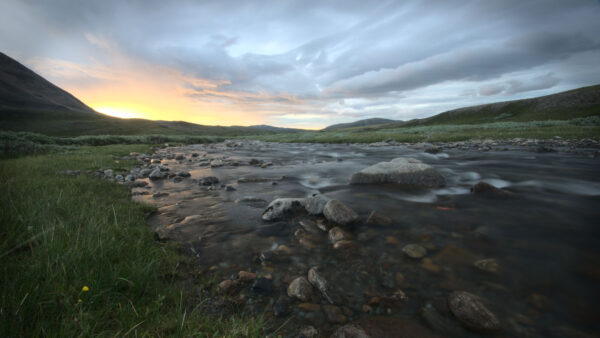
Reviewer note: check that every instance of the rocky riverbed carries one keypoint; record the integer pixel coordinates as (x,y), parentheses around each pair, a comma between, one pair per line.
(455,239)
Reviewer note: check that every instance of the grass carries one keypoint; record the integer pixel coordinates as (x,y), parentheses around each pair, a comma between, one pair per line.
(60,233)
(588,127)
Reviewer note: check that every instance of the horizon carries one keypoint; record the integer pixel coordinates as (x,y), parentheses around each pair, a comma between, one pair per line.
(299,65)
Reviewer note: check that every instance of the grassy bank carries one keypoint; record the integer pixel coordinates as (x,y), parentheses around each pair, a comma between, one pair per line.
(79,260)
(578,128)
(13,144)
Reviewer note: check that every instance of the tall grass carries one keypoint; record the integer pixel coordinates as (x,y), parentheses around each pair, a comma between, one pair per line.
(60,233)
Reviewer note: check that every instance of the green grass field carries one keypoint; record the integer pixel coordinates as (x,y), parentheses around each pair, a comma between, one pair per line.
(63,233)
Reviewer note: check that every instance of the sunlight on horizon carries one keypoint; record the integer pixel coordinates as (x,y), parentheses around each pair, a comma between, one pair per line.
(120,112)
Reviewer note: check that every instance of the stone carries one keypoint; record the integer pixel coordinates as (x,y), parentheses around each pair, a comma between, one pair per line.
(263,286)
(216,163)
(308,332)
(145,172)
(282,208)
(414,251)
(183,173)
(309,307)
(209,180)
(246,276)
(119,177)
(160,194)
(429,265)
(345,245)
(323,225)
(405,171)
(156,174)
(281,306)
(179,157)
(191,218)
(229,188)
(310,226)
(300,288)
(469,309)
(338,234)
(350,331)
(440,323)
(228,286)
(488,265)
(334,314)
(488,190)
(252,201)
(129,178)
(316,203)
(376,218)
(315,277)
(338,213)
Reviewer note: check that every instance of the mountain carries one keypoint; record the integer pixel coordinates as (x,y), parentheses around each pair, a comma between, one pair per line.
(265,127)
(28,102)
(360,123)
(20,87)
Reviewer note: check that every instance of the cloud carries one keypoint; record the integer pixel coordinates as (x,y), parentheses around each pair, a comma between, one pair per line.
(289,58)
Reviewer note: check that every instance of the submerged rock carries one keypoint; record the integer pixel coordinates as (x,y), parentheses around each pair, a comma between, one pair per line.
(318,281)
(488,190)
(282,208)
(377,218)
(440,323)
(183,173)
(337,212)
(414,251)
(406,171)
(156,174)
(338,234)
(350,331)
(334,314)
(469,309)
(300,288)
(488,265)
(209,180)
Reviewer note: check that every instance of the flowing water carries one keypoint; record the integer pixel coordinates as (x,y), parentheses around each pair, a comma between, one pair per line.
(545,238)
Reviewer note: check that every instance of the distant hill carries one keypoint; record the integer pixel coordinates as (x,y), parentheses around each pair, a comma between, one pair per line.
(567,105)
(21,87)
(28,102)
(360,123)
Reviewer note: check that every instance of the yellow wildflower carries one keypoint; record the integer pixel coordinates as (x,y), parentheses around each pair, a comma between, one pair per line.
(79,300)
(85,289)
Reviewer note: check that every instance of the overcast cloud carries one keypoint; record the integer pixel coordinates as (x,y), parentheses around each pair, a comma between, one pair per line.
(312,63)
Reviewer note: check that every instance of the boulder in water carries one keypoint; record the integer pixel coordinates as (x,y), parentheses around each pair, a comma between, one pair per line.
(406,171)
(337,212)
(282,208)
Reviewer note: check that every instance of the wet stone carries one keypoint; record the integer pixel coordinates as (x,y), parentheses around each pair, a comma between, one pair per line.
(300,288)
(263,286)
(183,174)
(376,218)
(337,212)
(309,226)
(469,309)
(316,278)
(282,208)
(345,245)
(209,180)
(315,204)
(338,234)
(308,332)
(350,331)
(310,307)
(405,171)
(246,276)
(334,314)
(488,190)
(414,251)
(440,323)
(281,306)
(488,265)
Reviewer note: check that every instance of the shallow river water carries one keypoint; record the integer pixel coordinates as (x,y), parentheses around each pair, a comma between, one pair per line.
(545,238)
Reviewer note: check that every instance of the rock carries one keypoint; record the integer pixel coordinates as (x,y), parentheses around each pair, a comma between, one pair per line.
(440,323)
(345,245)
(229,188)
(263,286)
(316,203)
(310,226)
(427,264)
(488,190)
(177,179)
(160,194)
(191,218)
(183,174)
(334,314)
(216,163)
(337,212)
(406,171)
(179,157)
(246,276)
(414,251)
(281,306)
(119,177)
(323,225)
(156,174)
(338,234)
(350,331)
(318,281)
(308,332)
(488,265)
(209,180)
(376,218)
(129,178)
(310,307)
(300,288)
(469,309)
(252,200)
(145,172)
(228,286)
(281,208)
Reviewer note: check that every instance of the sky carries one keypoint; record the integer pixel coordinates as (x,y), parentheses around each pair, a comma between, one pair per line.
(302,64)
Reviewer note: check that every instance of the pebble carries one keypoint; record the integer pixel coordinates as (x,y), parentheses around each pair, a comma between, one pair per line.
(308,332)
(334,314)
(281,306)
(414,251)
(310,307)
(345,244)
(337,212)
(488,265)
(246,276)
(338,234)
(263,286)
(375,218)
